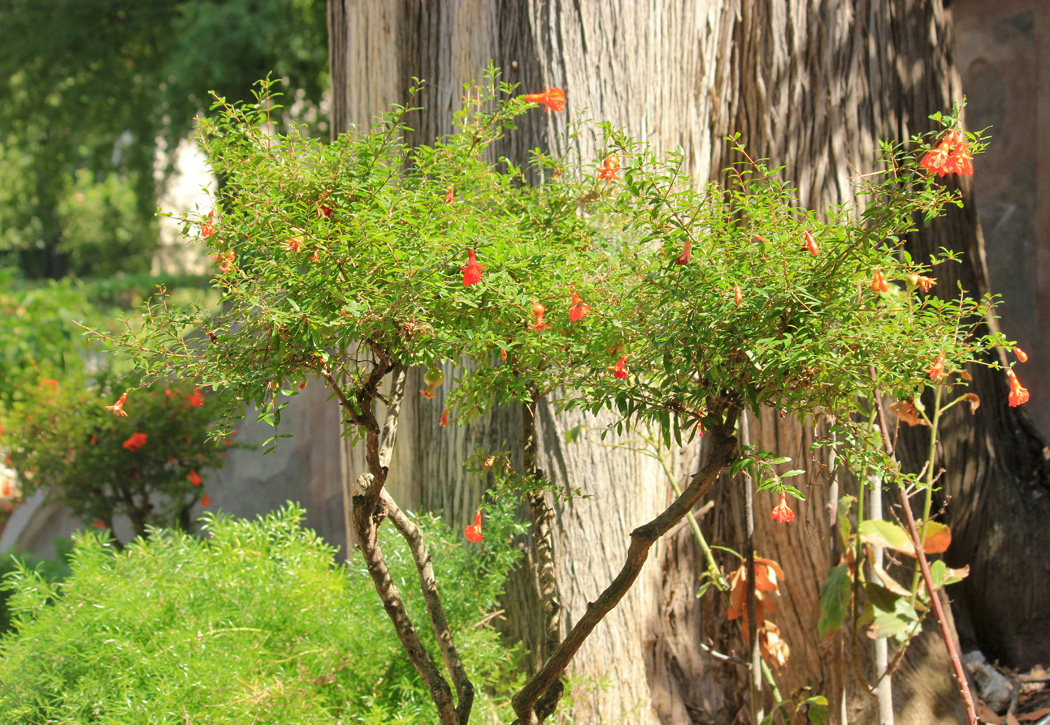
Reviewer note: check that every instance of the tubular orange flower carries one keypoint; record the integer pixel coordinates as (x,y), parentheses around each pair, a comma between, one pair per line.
(1018,395)
(687,252)
(196,400)
(444,417)
(782,513)
(738,296)
(205,501)
(539,325)
(99,524)
(302,385)
(611,166)
(1022,356)
(472,270)
(950,156)
(225,261)
(194,478)
(451,195)
(811,244)
(502,354)
(878,283)
(207,229)
(118,407)
(936,371)
(620,368)
(324,210)
(53,384)
(473,532)
(579,309)
(136,441)
(552,98)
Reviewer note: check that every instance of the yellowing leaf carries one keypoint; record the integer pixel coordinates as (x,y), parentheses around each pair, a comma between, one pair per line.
(936,537)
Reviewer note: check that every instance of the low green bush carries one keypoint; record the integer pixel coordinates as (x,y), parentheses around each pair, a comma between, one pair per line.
(254,624)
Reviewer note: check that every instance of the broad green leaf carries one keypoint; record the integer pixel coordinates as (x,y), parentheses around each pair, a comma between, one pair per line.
(886,534)
(834,600)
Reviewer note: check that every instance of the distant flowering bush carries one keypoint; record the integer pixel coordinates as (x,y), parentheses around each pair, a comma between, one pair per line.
(140,457)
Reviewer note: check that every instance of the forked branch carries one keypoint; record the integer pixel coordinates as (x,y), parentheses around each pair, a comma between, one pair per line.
(721,453)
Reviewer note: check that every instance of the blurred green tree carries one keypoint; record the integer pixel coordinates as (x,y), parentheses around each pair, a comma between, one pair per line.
(91,88)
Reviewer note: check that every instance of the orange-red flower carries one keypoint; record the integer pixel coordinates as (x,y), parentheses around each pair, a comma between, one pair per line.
(609,169)
(579,309)
(950,156)
(294,243)
(136,441)
(811,244)
(782,513)
(444,417)
(687,252)
(302,385)
(472,270)
(1022,356)
(473,532)
(205,501)
(207,229)
(620,368)
(878,283)
(196,400)
(324,210)
(451,195)
(225,261)
(99,524)
(539,325)
(118,407)
(1018,395)
(53,384)
(194,478)
(502,353)
(552,98)
(936,371)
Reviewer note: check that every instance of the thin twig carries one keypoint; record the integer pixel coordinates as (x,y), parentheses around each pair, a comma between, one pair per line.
(935,601)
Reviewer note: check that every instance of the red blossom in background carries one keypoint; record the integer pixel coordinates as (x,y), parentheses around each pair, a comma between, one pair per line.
(196,400)
(194,478)
(205,501)
(473,532)
(451,195)
(811,244)
(118,407)
(225,261)
(472,271)
(579,309)
(687,252)
(782,513)
(609,169)
(207,228)
(444,417)
(552,98)
(539,325)
(878,283)
(1018,394)
(100,524)
(324,211)
(136,441)
(620,368)
(53,384)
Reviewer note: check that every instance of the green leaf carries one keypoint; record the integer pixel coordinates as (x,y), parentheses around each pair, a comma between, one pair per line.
(834,600)
(886,534)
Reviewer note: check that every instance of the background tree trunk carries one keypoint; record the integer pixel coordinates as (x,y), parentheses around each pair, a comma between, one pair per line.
(813,85)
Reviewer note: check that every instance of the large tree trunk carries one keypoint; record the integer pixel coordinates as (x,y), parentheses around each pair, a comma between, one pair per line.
(811,85)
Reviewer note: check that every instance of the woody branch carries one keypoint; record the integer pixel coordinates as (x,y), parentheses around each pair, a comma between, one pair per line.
(722,452)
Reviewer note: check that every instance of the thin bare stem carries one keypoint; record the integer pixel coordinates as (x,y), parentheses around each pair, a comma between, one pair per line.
(935,601)
(755,679)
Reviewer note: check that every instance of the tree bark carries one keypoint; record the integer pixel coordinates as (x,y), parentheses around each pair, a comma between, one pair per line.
(812,85)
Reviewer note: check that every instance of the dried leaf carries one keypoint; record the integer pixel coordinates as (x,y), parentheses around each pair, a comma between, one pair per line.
(974,401)
(905,411)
